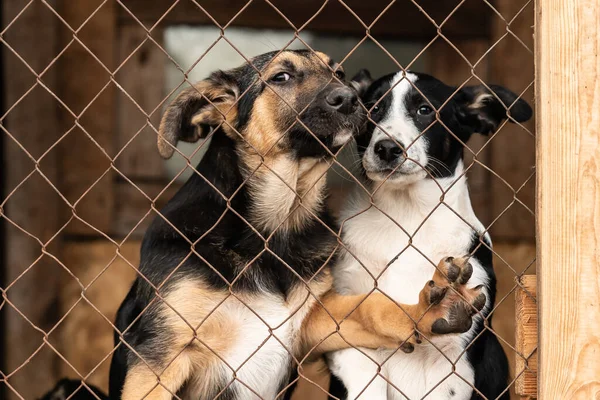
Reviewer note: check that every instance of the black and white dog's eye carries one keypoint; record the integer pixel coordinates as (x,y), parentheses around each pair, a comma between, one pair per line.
(424,110)
(373,108)
(281,77)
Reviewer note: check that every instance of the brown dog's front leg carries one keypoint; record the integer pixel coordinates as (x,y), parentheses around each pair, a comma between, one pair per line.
(374,321)
(371,321)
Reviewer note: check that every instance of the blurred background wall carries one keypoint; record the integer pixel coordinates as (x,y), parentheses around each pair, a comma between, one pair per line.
(83,87)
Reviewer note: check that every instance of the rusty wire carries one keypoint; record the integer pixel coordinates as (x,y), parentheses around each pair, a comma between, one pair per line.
(74,33)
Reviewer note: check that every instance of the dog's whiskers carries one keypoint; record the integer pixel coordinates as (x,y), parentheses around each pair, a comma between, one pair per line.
(434,163)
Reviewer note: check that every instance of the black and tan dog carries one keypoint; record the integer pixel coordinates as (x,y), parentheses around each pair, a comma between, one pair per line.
(234,273)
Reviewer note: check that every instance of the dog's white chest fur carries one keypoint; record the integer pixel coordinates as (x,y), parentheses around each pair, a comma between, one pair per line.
(377,238)
(399,242)
(261,334)
(262,356)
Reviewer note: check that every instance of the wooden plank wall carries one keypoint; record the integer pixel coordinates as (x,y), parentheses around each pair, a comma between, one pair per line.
(568,183)
(526,337)
(512,150)
(142,77)
(86,337)
(34,206)
(509,157)
(87,90)
(114,206)
(470,20)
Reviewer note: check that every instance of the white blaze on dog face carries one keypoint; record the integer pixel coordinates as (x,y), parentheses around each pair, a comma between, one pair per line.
(395,127)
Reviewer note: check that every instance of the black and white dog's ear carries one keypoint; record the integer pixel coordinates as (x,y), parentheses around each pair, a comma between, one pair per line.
(361,82)
(483,110)
(196,110)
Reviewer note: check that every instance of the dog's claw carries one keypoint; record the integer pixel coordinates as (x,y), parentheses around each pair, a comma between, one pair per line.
(407,347)
(418,338)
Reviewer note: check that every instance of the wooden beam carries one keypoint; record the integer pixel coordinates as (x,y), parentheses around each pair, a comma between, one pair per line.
(131,206)
(568,193)
(526,337)
(86,337)
(142,77)
(34,206)
(512,148)
(509,256)
(85,70)
(402,20)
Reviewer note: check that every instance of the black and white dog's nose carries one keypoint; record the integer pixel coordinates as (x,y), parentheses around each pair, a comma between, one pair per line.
(342,99)
(387,150)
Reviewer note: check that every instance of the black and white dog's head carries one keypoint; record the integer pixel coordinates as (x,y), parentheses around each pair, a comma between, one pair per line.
(418,125)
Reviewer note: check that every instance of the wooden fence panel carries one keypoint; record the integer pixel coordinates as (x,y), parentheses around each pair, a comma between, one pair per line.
(31,279)
(512,148)
(86,88)
(568,197)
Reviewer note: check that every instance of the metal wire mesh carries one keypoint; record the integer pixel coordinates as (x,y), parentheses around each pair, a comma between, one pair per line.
(113,171)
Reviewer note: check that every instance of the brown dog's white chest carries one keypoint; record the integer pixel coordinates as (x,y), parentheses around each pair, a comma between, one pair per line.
(286,193)
(249,340)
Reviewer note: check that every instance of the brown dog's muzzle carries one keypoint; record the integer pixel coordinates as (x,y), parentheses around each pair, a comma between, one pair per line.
(342,99)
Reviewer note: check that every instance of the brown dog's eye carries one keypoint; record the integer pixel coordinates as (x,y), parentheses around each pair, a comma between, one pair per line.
(281,77)
(340,75)
(424,110)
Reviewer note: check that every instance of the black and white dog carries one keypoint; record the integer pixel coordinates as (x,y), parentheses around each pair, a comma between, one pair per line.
(418,211)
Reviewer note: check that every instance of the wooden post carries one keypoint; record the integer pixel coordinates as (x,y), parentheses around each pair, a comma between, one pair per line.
(34,206)
(568,197)
(526,337)
(142,77)
(512,149)
(85,338)
(83,77)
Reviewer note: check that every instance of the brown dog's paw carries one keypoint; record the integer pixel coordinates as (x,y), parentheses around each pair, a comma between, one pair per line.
(457,272)
(448,304)
(457,320)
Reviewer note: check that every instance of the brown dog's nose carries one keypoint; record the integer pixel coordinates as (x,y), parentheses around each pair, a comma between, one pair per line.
(342,99)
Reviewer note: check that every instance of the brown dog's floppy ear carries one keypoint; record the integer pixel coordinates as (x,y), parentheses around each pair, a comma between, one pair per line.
(361,82)
(483,110)
(196,110)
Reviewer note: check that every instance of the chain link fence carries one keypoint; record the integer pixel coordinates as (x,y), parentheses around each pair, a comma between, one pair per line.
(70,294)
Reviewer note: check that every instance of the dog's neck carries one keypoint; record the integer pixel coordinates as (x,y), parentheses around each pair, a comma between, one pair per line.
(418,198)
(287,193)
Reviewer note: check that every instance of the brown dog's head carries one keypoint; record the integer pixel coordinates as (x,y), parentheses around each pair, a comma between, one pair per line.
(292,102)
